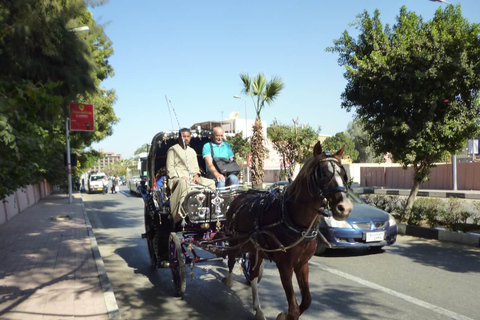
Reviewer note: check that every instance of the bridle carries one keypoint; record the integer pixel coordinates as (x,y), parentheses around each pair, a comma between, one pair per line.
(317,176)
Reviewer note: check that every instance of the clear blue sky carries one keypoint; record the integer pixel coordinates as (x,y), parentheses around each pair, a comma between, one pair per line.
(194,51)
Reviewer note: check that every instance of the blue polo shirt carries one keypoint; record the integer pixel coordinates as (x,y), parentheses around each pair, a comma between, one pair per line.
(219,151)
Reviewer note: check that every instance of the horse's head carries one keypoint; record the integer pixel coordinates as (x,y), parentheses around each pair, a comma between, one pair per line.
(328,180)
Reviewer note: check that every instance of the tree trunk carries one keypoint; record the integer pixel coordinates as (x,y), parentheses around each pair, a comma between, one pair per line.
(258,153)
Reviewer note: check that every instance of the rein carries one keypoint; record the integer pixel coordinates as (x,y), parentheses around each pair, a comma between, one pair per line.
(286,222)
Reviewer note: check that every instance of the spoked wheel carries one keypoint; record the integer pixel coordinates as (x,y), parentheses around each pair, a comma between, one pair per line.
(150,236)
(247,261)
(177,264)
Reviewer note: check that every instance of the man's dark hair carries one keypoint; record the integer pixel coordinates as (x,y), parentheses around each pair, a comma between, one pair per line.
(183,130)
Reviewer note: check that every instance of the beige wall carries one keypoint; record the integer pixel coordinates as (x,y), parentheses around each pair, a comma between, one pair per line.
(22,199)
(468,177)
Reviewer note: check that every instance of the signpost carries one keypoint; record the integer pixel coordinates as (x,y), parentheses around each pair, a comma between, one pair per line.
(81,119)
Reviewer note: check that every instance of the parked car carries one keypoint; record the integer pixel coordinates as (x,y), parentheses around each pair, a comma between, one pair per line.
(122,180)
(96,182)
(366,226)
(133,184)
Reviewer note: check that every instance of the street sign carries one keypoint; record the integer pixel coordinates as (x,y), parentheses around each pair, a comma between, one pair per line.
(81,117)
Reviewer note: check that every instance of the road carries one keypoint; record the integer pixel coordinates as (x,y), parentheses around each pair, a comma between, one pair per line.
(413,279)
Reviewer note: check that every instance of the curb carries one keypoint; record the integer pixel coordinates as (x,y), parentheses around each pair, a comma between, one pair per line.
(406,192)
(440,234)
(108,295)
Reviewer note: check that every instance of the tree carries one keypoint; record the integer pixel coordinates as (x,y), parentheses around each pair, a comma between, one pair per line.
(360,138)
(294,143)
(414,86)
(43,67)
(240,148)
(338,141)
(261,93)
(143,148)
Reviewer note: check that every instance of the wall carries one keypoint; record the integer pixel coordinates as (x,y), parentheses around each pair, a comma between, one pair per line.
(394,176)
(22,199)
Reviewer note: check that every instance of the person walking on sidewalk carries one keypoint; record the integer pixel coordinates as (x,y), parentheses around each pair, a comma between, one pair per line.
(115,183)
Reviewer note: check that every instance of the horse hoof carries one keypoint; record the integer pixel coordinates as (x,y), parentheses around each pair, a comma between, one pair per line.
(259,315)
(228,280)
(283,316)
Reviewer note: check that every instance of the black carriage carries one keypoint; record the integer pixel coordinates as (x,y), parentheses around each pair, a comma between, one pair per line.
(204,222)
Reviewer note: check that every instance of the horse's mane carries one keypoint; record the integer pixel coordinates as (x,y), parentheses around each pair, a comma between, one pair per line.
(300,184)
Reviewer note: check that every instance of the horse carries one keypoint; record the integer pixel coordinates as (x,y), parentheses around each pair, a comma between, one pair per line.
(283,226)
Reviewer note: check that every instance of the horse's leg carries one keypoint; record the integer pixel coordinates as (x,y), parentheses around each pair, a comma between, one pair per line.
(253,284)
(302,278)
(256,301)
(286,273)
(231,263)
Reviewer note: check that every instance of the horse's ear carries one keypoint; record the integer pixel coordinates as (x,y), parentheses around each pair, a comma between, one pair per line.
(317,149)
(339,153)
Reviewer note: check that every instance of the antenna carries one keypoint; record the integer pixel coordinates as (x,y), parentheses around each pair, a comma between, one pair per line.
(234,115)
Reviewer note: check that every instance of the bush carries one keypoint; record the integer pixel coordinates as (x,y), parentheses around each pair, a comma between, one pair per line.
(453,214)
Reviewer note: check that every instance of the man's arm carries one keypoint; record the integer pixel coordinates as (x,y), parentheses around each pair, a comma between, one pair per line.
(171,172)
(207,155)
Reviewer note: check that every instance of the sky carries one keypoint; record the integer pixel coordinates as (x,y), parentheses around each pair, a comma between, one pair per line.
(194,51)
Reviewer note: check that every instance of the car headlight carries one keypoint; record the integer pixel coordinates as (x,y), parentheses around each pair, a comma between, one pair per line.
(337,224)
(391,220)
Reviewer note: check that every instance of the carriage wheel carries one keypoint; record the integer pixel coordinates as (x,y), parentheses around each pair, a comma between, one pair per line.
(246,262)
(177,264)
(150,232)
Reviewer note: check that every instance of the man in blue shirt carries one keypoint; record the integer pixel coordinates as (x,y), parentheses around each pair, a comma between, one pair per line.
(221,149)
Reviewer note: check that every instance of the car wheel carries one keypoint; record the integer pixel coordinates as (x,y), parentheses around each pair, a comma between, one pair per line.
(321,248)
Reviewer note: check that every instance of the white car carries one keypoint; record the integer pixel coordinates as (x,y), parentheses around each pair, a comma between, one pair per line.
(96,182)
(133,184)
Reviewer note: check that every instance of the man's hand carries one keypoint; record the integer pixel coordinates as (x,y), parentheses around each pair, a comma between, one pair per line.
(196,179)
(220,177)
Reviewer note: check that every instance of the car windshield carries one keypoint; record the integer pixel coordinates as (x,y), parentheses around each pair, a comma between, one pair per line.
(95,178)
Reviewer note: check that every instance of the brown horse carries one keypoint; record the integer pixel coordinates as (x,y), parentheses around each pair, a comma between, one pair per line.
(283,226)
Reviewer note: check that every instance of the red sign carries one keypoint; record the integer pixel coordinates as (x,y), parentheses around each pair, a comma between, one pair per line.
(81,117)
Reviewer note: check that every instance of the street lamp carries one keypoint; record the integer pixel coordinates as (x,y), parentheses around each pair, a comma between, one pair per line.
(246,125)
(69,160)
(246,128)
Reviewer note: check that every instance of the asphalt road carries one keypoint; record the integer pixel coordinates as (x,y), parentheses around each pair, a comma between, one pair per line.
(413,279)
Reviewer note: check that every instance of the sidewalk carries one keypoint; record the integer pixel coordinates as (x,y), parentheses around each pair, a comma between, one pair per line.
(50,267)
(436,193)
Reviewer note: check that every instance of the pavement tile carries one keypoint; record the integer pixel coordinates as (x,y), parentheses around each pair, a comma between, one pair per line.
(47,268)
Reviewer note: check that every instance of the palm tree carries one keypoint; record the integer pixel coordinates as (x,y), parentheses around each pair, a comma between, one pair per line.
(261,93)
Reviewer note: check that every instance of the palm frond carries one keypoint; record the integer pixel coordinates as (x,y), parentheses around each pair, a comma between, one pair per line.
(258,84)
(246,83)
(272,90)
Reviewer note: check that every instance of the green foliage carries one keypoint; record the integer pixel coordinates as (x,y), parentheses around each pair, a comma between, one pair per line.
(240,146)
(143,148)
(425,209)
(43,67)
(294,143)
(336,142)
(360,139)
(414,86)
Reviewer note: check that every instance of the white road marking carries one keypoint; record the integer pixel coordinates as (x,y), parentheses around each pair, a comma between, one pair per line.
(372,285)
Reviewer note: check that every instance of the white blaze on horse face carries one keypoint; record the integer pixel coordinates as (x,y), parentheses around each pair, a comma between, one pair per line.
(343,208)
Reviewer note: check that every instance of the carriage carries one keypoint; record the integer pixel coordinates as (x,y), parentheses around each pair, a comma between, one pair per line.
(249,225)
(204,223)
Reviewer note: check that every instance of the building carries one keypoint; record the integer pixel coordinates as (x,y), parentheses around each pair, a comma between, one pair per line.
(232,126)
(110,158)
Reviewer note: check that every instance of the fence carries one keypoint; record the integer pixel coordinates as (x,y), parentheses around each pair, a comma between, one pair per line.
(468,176)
